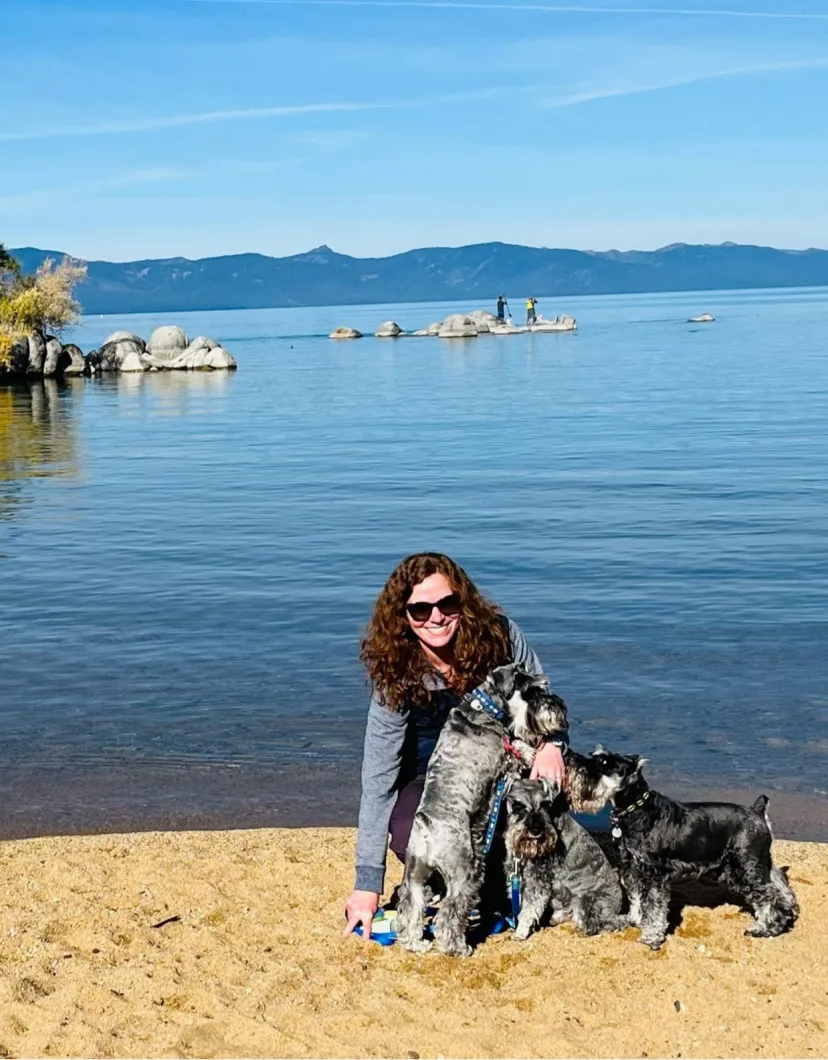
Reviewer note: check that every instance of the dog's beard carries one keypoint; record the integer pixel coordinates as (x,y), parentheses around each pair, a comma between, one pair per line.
(522,845)
(583,794)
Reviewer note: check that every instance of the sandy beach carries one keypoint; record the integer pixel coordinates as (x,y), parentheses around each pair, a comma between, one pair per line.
(251,962)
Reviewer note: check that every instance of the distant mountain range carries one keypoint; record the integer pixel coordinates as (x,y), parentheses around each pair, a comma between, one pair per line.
(474,274)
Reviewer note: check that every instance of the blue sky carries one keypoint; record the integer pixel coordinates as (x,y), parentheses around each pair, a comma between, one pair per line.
(151,128)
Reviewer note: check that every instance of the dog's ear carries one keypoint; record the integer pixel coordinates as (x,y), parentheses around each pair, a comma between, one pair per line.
(599,750)
(503,680)
(640,763)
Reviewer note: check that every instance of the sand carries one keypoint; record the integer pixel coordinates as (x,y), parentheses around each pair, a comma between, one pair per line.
(254,964)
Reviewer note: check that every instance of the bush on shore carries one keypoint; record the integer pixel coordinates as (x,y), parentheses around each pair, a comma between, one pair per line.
(40,303)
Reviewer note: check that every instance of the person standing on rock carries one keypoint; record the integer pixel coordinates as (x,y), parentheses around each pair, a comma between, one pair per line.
(501,306)
(531,316)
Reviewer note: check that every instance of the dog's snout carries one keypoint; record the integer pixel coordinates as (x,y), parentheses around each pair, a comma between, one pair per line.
(535,825)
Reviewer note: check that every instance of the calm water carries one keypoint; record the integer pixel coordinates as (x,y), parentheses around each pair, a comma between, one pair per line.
(187,560)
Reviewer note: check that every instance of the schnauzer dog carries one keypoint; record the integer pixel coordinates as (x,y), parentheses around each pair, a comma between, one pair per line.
(660,842)
(560,866)
(492,733)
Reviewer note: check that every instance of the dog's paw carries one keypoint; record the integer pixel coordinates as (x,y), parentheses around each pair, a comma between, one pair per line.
(653,943)
(522,933)
(758,931)
(457,949)
(417,945)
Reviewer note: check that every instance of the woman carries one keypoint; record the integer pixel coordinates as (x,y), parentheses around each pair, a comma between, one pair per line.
(432,638)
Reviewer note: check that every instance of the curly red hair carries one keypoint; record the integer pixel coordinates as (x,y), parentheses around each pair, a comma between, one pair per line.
(392,654)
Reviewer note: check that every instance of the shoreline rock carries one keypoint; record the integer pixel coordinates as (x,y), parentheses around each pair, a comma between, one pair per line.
(45,356)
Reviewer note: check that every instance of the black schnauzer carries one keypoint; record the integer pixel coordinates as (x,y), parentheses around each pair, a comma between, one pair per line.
(660,842)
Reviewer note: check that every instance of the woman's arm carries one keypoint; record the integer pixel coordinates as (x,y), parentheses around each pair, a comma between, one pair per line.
(384,739)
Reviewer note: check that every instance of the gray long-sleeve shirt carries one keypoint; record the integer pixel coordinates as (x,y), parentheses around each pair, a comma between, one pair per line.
(388,736)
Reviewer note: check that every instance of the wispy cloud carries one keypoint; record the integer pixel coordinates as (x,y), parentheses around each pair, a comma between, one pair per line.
(486,5)
(132,178)
(588,95)
(251,113)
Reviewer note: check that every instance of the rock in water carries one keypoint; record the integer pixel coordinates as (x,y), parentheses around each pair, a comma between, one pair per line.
(37,353)
(112,355)
(54,348)
(345,333)
(434,329)
(702,318)
(19,357)
(458,326)
(388,330)
(132,361)
(483,320)
(71,361)
(167,343)
(117,336)
(218,358)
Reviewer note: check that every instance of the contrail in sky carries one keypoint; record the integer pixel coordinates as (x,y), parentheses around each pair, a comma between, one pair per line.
(174,120)
(492,5)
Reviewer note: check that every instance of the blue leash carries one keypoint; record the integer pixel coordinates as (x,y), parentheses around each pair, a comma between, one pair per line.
(478,698)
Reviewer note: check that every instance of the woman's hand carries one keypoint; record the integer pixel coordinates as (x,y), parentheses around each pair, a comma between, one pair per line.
(548,764)
(360,909)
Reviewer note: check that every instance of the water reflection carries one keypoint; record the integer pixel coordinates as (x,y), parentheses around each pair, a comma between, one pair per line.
(38,436)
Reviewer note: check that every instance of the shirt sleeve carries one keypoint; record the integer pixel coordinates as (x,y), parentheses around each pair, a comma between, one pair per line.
(382,757)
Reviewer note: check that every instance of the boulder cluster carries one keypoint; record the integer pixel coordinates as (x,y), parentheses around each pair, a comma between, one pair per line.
(168,348)
(462,326)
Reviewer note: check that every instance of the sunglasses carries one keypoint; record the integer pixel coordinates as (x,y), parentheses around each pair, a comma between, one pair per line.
(448,607)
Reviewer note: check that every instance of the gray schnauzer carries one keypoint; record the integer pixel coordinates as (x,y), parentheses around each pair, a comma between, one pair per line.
(492,733)
(560,866)
(661,842)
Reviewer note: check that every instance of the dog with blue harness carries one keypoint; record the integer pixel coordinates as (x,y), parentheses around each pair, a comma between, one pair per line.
(489,738)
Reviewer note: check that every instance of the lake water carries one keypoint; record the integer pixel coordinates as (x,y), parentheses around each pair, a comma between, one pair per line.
(187,560)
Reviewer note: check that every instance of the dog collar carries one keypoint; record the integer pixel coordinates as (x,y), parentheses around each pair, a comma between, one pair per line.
(478,699)
(616,814)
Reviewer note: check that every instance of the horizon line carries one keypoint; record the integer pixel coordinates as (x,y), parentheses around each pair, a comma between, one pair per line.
(323,247)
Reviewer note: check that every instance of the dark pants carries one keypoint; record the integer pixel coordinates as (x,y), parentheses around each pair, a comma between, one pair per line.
(402,816)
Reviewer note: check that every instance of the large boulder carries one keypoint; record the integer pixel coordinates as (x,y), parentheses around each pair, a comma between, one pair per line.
(345,333)
(54,348)
(71,361)
(18,363)
(167,343)
(37,354)
(458,326)
(117,336)
(111,355)
(202,343)
(483,320)
(388,330)
(219,358)
(133,361)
